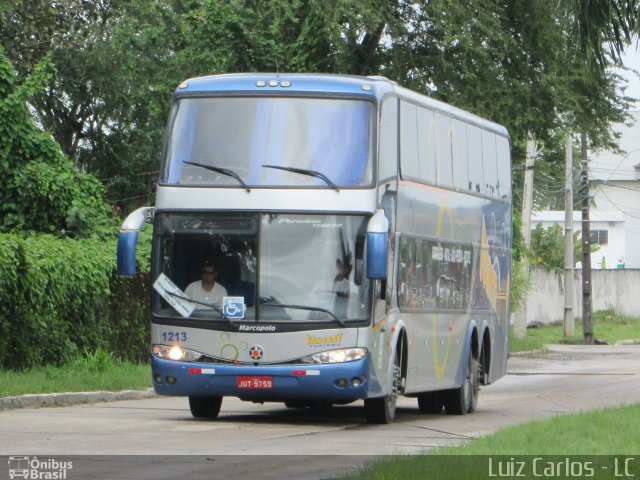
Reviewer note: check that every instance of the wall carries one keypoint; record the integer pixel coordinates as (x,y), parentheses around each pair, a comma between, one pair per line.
(610,288)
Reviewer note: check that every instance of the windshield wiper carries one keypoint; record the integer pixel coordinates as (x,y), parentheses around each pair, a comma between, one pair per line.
(304,307)
(304,171)
(210,305)
(224,171)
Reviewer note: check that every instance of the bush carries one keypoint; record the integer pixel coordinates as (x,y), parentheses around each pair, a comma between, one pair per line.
(60,297)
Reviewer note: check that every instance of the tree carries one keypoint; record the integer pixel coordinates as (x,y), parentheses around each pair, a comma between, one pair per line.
(118,63)
(40,189)
(596,24)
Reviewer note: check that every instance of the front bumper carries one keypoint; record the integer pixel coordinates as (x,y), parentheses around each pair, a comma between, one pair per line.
(303,381)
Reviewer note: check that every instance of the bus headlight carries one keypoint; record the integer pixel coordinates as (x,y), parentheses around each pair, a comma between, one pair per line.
(174,352)
(337,356)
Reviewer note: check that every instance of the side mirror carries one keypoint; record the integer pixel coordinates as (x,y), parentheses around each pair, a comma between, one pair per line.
(128,240)
(377,246)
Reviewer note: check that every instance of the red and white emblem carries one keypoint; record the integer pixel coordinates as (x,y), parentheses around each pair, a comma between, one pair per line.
(255,352)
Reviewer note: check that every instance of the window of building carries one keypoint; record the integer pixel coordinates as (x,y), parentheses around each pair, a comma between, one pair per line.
(600,237)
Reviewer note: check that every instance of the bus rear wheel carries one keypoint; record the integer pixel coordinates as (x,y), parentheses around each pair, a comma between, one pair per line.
(205,407)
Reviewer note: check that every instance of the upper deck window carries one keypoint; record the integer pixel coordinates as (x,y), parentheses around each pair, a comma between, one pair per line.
(331,137)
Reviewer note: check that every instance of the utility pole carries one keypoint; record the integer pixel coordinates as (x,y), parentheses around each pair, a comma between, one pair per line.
(520,323)
(587,320)
(569,258)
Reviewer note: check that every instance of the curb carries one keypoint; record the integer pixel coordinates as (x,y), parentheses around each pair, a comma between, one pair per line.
(71,398)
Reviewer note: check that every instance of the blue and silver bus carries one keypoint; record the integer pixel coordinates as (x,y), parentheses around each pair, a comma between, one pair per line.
(360,239)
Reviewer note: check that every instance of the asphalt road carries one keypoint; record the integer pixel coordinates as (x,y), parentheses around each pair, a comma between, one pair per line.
(271,441)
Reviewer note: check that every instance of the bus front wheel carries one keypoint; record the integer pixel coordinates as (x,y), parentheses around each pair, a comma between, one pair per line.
(205,407)
(465,398)
(382,410)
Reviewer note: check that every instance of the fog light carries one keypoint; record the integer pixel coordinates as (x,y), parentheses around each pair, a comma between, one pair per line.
(171,380)
(341,382)
(356,382)
(157,378)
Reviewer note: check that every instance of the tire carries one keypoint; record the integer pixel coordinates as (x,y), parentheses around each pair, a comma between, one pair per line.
(477,366)
(296,403)
(205,407)
(464,399)
(382,410)
(430,402)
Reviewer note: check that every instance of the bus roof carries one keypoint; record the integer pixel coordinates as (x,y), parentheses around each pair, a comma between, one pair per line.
(375,87)
(293,82)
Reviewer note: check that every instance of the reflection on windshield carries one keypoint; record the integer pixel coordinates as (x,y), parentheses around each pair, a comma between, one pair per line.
(304,268)
(330,137)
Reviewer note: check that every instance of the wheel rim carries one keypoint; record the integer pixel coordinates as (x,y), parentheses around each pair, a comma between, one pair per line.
(470,387)
(476,369)
(395,388)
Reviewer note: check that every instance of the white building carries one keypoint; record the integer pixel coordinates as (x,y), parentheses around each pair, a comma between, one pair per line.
(615,214)
(615,186)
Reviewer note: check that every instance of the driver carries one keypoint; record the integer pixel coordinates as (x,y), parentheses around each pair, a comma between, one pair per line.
(207,290)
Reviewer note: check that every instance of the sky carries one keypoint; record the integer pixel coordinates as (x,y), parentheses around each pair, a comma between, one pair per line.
(631,59)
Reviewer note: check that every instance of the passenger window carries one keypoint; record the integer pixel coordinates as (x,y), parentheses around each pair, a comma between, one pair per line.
(443,150)
(474,158)
(504,167)
(489,163)
(410,162)
(459,154)
(388,161)
(427,145)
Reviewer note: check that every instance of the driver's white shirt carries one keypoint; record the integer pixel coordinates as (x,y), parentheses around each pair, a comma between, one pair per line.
(196,292)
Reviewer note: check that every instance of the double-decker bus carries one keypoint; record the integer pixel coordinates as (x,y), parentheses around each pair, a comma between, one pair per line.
(361,233)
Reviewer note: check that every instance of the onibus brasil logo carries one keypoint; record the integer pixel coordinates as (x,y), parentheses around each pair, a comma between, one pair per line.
(36,469)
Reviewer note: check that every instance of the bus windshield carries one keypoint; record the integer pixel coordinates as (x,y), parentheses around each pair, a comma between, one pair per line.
(269,142)
(284,267)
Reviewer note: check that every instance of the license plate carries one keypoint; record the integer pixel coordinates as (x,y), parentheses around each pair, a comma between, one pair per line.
(254,382)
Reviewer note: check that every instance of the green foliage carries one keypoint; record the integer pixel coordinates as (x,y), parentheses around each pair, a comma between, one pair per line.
(547,247)
(520,285)
(40,189)
(117,63)
(598,25)
(11,257)
(59,297)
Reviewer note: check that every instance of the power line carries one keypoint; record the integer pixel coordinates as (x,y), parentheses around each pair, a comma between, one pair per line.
(128,176)
(128,198)
(618,208)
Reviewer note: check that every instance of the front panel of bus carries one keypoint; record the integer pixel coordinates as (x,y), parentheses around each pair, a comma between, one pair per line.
(274,192)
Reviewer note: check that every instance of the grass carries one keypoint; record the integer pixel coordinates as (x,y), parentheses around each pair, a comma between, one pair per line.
(608,326)
(579,436)
(92,372)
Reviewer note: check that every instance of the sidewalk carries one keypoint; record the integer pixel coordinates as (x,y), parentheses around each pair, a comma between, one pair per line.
(71,398)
